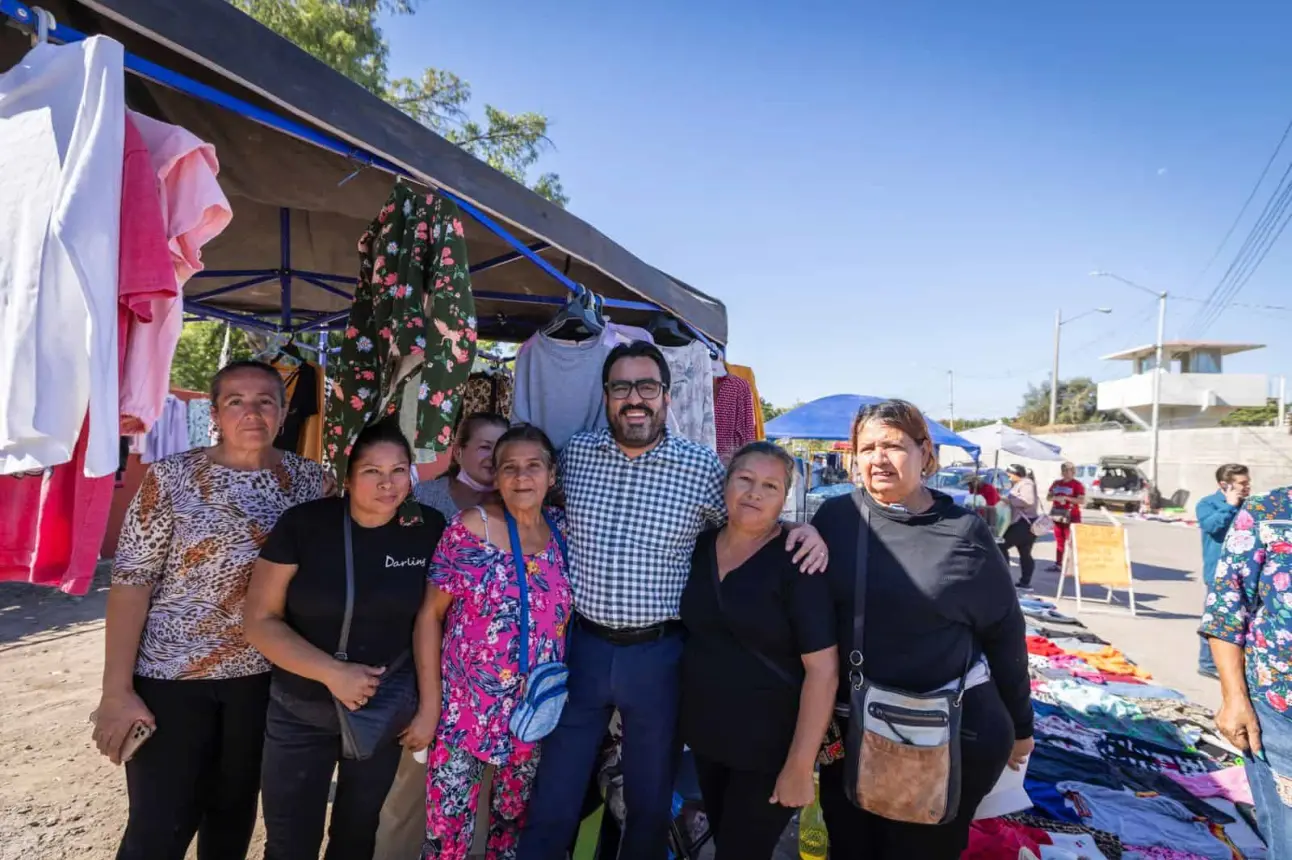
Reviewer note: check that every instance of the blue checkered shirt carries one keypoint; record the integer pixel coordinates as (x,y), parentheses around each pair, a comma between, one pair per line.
(633,524)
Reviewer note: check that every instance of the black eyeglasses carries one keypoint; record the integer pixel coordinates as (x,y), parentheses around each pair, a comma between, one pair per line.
(647,389)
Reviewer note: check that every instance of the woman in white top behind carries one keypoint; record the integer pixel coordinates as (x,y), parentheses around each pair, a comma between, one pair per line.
(1022,500)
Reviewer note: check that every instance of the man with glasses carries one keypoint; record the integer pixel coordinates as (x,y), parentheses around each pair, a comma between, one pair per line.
(637,497)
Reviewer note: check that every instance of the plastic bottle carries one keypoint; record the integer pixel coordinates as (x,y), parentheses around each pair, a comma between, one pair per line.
(813,840)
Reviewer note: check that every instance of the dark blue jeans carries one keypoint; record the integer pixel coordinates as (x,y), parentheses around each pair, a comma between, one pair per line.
(1272,815)
(643,682)
(1205,662)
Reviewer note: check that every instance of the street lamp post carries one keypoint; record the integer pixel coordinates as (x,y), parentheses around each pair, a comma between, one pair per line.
(1157,370)
(1059,322)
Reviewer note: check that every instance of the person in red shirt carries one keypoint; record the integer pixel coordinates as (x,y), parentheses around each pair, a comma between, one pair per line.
(1066,497)
(980,486)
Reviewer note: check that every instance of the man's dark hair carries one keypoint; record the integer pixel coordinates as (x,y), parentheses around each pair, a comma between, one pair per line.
(1229,471)
(637,349)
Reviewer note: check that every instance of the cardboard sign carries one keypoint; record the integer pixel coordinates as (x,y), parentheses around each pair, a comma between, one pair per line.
(1100,555)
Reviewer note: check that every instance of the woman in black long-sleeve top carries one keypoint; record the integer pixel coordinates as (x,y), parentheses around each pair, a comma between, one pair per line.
(938,598)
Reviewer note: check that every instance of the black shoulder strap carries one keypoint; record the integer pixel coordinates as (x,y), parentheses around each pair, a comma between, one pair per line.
(349,589)
(778,671)
(855,658)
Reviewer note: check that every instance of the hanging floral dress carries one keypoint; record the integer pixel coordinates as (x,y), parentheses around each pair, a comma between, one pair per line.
(411,338)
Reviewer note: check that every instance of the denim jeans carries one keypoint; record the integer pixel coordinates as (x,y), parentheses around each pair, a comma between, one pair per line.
(1273,815)
(1205,661)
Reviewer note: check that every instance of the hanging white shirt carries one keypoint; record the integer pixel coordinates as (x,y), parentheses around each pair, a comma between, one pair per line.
(62,129)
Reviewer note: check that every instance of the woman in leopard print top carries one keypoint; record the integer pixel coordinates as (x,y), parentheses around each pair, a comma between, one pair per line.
(176,658)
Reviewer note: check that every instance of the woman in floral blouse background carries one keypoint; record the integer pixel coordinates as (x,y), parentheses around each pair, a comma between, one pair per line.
(1248,619)
(477,597)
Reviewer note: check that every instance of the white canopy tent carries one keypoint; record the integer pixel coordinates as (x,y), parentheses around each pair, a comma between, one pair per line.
(1000,437)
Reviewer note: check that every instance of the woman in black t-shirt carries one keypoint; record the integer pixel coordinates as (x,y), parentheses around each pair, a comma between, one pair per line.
(938,601)
(759,668)
(295,608)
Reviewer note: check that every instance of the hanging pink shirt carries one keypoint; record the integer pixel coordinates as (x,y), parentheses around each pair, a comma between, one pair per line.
(194,211)
(733,413)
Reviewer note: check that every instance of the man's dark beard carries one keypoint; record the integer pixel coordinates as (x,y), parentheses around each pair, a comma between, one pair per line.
(647,435)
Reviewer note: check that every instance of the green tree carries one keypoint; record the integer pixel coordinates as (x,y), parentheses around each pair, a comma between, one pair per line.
(1077,404)
(769,411)
(197,356)
(1253,416)
(344,34)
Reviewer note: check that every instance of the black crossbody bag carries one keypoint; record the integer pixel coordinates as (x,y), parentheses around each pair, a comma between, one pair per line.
(392,707)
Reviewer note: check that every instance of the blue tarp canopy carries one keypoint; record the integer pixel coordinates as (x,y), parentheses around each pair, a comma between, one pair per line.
(830,420)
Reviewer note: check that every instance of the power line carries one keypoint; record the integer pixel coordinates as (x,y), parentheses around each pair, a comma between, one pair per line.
(1248,202)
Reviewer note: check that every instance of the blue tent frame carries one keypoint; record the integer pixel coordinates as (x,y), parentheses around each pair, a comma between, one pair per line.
(25,18)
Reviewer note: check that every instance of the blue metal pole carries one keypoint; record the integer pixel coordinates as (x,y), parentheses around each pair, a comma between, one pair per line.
(323,285)
(237,319)
(232,288)
(285,270)
(509,257)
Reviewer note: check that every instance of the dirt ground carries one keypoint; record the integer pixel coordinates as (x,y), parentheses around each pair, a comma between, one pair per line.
(59,799)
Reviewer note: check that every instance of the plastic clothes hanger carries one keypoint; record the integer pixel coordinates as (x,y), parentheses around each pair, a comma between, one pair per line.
(581,318)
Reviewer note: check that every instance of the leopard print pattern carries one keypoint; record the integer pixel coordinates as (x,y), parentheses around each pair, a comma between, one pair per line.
(193,534)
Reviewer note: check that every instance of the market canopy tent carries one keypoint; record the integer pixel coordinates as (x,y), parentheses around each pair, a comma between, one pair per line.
(1000,437)
(307,158)
(830,419)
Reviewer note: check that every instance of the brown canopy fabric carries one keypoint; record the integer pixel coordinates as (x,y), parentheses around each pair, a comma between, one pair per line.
(264,171)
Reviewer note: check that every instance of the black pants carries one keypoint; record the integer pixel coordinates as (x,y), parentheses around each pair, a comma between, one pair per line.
(986,740)
(1019,536)
(745,826)
(302,748)
(199,774)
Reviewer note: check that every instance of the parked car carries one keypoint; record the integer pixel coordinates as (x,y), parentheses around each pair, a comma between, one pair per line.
(954,481)
(1116,481)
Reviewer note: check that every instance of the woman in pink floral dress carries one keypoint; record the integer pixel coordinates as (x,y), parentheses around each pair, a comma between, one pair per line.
(477,598)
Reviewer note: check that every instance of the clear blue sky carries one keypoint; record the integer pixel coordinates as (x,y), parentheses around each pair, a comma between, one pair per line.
(883,193)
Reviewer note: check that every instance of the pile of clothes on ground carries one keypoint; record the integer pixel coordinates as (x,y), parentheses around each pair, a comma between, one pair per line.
(1123,768)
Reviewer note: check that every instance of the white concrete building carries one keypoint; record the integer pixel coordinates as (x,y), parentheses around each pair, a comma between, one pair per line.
(1196,392)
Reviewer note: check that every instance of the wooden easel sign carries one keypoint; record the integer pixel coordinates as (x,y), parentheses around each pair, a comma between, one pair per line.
(1098,555)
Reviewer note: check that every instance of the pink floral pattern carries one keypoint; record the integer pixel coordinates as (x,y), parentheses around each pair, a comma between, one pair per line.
(1250,602)
(481,651)
(413,277)
(453,794)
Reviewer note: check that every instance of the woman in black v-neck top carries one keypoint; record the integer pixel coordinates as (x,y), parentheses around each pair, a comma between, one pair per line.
(759,668)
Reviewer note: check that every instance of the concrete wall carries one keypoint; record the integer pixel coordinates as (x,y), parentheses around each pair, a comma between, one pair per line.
(1187,458)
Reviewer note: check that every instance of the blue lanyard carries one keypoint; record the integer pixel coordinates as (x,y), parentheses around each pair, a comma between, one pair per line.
(522,576)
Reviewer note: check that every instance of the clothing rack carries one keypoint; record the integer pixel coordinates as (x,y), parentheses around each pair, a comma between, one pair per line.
(26,19)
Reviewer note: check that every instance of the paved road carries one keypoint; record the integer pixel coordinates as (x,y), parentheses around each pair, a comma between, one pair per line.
(1166,561)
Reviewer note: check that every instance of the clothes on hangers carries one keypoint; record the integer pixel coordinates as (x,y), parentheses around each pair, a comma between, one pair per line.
(302,431)
(488,392)
(558,386)
(692,392)
(733,413)
(169,434)
(199,423)
(194,211)
(412,324)
(62,129)
(747,374)
(146,278)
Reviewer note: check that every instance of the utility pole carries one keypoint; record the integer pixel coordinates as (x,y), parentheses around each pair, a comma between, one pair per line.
(1157,388)
(1054,370)
(951,390)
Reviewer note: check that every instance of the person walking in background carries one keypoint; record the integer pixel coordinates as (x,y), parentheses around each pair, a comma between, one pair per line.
(177,660)
(360,553)
(476,621)
(1066,497)
(637,497)
(1250,632)
(1023,513)
(760,640)
(1216,513)
(468,482)
(938,614)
